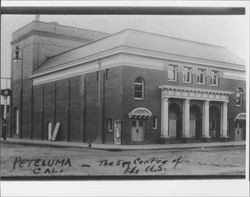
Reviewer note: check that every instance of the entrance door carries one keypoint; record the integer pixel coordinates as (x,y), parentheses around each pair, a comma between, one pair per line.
(137,131)
(239,131)
(193,128)
(213,128)
(172,128)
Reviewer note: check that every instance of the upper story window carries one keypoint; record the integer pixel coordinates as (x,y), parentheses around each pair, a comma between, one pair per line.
(214,77)
(172,72)
(139,88)
(187,74)
(239,97)
(201,76)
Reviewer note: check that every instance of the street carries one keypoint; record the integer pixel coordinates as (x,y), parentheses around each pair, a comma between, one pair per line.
(23,160)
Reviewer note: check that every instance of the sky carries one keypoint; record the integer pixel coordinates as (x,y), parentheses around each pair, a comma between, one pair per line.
(228,31)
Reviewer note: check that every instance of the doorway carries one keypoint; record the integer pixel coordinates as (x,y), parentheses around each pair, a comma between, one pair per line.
(175,121)
(138,130)
(195,122)
(214,122)
(238,134)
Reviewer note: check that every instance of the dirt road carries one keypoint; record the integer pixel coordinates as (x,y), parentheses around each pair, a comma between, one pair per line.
(21,160)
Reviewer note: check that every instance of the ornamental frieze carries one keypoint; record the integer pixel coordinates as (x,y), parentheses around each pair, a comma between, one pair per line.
(193,93)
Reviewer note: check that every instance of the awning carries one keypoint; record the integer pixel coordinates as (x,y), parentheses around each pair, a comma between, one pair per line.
(240,116)
(140,113)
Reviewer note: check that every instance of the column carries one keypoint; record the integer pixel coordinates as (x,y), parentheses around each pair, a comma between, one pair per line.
(164,117)
(224,120)
(205,120)
(186,128)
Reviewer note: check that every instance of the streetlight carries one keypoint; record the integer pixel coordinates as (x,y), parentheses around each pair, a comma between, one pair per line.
(17,57)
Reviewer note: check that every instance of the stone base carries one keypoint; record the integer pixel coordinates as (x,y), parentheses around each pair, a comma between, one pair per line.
(168,140)
(206,139)
(187,140)
(224,139)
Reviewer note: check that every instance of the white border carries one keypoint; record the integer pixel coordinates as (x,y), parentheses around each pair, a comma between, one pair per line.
(135,188)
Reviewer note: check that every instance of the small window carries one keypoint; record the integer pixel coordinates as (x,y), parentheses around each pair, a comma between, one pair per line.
(187,74)
(97,75)
(133,123)
(155,122)
(107,73)
(139,89)
(239,97)
(172,72)
(214,77)
(140,123)
(240,125)
(201,76)
(110,125)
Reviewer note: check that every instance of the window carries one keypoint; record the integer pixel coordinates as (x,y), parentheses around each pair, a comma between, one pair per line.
(155,122)
(97,75)
(187,74)
(110,125)
(107,73)
(172,72)
(240,124)
(239,97)
(139,89)
(214,77)
(201,76)
(140,123)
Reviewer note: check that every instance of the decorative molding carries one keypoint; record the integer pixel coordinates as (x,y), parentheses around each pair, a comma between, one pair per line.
(194,93)
(113,61)
(187,61)
(140,113)
(143,53)
(109,59)
(234,75)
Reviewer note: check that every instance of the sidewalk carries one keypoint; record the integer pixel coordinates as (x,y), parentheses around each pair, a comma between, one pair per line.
(121,147)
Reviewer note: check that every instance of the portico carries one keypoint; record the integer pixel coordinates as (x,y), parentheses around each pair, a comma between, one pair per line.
(187,94)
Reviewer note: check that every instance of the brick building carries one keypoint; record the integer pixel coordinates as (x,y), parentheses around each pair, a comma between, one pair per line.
(125,88)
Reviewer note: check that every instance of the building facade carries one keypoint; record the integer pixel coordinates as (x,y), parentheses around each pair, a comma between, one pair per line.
(131,87)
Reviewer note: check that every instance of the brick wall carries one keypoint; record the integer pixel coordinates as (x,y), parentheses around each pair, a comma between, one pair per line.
(74,103)
(152,101)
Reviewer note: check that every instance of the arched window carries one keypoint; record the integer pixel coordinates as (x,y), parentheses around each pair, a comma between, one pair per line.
(239,97)
(139,88)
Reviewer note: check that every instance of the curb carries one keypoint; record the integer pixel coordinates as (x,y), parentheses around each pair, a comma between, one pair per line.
(123,147)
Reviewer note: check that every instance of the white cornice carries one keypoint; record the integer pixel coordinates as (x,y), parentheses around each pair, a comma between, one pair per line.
(114,61)
(180,58)
(234,75)
(144,53)
(116,58)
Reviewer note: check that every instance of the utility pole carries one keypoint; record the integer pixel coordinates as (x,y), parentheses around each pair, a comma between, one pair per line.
(5,93)
(101,102)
